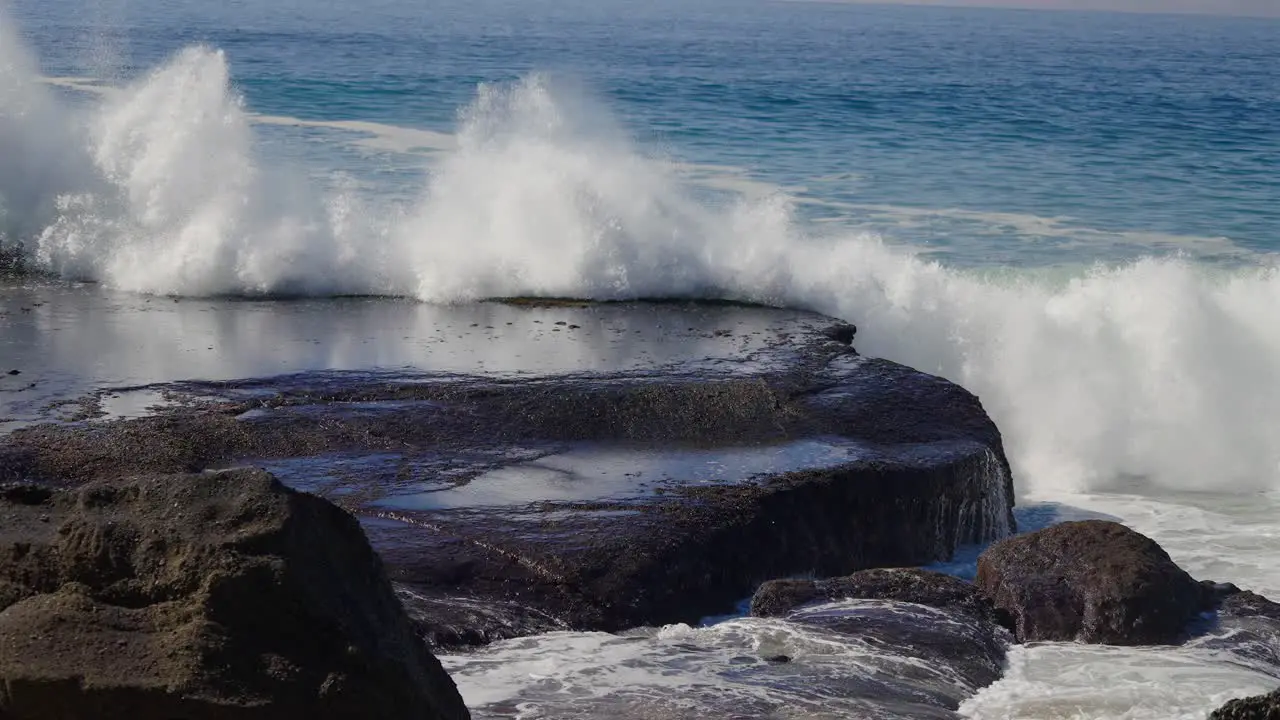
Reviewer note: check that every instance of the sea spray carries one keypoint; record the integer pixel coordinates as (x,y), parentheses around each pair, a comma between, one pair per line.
(188,207)
(40,155)
(1159,369)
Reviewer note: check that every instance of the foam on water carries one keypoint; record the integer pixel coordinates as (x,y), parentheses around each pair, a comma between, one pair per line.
(1062,681)
(680,672)
(1222,536)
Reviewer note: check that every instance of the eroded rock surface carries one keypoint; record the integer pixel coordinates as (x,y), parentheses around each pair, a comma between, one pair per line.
(1093,581)
(216,595)
(751,444)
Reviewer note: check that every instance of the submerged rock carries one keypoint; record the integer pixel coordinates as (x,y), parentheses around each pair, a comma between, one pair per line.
(922,587)
(720,447)
(1246,625)
(1092,581)
(218,595)
(945,639)
(933,658)
(1259,707)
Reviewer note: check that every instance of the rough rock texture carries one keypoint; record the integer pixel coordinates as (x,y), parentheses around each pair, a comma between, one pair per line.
(1092,581)
(11,259)
(218,595)
(1246,604)
(592,500)
(779,597)
(1259,707)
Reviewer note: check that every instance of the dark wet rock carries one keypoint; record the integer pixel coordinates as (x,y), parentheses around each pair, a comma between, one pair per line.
(1259,707)
(843,333)
(934,657)
(1246,604)
(673,557)
(1093,581)
(15,372)
(219,595)
(1215,592)
(15,464)
(601,500)
(922,587)
(1245,624)
(478,616)
(956,639)
(779,597)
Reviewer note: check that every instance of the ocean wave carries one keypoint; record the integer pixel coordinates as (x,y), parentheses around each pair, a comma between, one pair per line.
(1159,368)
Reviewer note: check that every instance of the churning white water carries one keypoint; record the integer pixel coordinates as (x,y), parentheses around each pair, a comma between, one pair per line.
(1160,373)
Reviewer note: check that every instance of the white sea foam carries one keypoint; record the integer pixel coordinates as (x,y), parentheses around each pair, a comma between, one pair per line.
(1066,681)
(1065,236)
(1158,368)
(680,672)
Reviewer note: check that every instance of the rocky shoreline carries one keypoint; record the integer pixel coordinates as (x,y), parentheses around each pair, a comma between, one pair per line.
(147,570)
(1092,581)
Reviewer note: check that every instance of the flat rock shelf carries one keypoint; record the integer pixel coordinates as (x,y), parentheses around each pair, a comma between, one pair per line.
(544,465)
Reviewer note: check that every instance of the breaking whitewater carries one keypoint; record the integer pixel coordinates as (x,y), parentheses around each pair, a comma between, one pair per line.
(1148,392)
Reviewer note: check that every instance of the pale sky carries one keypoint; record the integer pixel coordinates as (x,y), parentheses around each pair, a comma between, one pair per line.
(1258,8)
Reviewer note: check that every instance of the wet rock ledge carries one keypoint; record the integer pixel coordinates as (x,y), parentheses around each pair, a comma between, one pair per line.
(734,445)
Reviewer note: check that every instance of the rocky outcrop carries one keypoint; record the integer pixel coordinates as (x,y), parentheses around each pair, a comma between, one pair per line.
(1092,581)
(216,595)
(922,587)
(1259,707)
(653,494)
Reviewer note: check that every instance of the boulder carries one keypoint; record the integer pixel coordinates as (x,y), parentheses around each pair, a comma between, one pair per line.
(1093,581)
(1259,707)
(216,595)
(922,587)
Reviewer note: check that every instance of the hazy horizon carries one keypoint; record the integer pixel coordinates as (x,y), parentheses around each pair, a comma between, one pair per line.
(1246,8)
